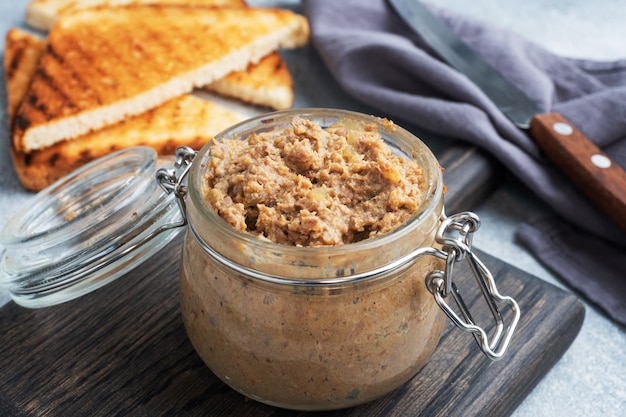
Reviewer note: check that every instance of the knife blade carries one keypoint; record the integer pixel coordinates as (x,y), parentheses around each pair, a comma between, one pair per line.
(586,165)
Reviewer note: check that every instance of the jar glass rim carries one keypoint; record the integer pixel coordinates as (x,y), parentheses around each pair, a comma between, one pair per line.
(325,116)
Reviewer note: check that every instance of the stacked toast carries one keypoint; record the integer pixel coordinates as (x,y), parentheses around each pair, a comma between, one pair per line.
(118,73)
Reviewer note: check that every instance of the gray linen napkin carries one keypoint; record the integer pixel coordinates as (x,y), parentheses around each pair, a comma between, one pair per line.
(376,58)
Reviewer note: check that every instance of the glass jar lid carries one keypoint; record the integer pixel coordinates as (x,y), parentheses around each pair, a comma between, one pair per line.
(88,229)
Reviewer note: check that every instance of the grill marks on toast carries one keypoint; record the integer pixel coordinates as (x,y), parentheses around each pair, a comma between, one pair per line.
(71,91)
(79,64)
(75,64)
(190,48)
(14,63)
(186,120)
(60,88)
(21,56)
(254,85)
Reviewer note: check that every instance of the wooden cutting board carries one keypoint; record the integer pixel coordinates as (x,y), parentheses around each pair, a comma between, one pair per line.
(122,350)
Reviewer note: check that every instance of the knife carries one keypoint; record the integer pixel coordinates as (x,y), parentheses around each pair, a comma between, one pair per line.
(586,165)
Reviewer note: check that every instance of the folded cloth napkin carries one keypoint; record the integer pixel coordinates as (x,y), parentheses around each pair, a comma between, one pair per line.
(376,58)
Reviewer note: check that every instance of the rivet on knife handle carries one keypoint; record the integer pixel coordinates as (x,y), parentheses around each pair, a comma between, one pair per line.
(603,180)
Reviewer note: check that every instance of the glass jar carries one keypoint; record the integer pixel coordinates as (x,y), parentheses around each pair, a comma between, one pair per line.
(303,333)
(313,328)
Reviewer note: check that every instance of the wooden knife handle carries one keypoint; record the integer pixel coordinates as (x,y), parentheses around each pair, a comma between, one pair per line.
(593,172)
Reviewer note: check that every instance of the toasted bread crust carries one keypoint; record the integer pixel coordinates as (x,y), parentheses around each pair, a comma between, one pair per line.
(267,83)
(84,83)
(21,56)
(184,121)
(42,14)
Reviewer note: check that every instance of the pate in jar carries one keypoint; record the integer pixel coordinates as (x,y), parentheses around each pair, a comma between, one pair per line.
(311,260)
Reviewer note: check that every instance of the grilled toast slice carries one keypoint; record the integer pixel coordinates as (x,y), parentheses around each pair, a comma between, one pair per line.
(187,120)
(21,56)
(268,83)
(41,14)
(102,65)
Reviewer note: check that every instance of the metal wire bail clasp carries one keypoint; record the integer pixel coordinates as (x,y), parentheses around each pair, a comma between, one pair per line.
(171,180)
(455,236)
